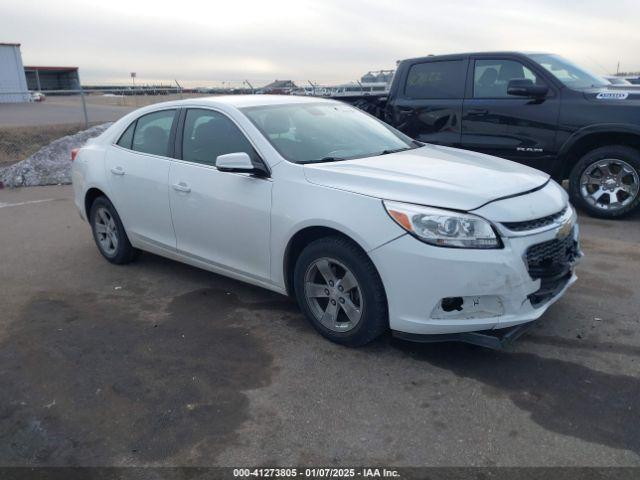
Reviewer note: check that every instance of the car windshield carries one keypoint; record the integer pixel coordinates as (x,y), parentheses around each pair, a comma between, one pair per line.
(568,73)
(324,132)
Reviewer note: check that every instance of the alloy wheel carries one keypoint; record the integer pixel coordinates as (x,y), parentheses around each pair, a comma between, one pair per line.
(106,231)
(333,294)
(609,184)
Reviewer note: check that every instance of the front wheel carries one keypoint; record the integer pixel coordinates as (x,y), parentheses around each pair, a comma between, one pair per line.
(606,181)
(339,290)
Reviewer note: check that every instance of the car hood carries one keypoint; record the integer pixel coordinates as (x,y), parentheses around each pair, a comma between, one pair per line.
(431,175)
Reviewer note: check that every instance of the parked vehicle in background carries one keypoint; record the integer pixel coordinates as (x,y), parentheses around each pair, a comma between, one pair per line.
(537,109)
(360,88)
(617,80)
(37,97)
(367,228)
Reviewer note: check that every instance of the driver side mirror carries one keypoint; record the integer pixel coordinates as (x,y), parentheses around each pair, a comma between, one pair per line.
(523,87)
(239,162)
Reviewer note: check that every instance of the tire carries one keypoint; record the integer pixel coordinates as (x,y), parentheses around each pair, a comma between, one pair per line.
(367,296)
(584,195)
(101,214)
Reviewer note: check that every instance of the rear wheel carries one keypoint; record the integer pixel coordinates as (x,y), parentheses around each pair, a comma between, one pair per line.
(339,290)
(606,181)
(109,234)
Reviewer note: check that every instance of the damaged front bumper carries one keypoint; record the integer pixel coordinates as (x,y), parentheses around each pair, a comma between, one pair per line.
(494,290)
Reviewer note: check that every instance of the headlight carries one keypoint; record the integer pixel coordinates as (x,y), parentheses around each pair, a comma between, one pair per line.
(442,227)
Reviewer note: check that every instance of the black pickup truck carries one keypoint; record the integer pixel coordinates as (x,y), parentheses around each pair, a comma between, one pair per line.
(536,109)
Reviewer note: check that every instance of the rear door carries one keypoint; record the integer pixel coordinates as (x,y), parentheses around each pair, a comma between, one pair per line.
(220,218)
(138,170)
(496,123)
(428,103)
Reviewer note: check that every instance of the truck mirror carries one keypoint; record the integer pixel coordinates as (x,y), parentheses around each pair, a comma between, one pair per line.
(523,87)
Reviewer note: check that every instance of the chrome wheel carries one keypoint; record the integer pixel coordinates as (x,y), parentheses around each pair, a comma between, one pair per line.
(106,231)
(609,184)
(333,294)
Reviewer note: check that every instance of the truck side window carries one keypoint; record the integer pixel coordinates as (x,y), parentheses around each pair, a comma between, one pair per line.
(491,77)
(436,80)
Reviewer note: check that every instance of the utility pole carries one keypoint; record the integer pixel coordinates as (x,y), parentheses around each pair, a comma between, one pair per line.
(618,69)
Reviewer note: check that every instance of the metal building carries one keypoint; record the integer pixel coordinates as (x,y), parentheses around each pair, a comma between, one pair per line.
(13,83)
(52,78)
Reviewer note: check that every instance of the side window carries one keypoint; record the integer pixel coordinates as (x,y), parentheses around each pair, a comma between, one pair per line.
(127,137)
(491,77)
(209,134)
(152,133)
(436,80)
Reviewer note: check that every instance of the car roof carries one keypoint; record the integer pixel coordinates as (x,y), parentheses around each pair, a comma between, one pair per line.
(242,101)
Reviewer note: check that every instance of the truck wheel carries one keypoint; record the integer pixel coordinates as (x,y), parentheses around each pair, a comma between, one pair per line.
(109,234)
(339,290)
(606,181)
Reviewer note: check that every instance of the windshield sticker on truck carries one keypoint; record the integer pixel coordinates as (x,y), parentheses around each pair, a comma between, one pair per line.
(612,95)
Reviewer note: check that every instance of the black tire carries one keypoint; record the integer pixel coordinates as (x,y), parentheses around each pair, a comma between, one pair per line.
(629,155)
(124,253)
(374,320)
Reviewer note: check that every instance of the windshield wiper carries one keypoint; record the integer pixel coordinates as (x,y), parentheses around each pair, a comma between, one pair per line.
(325,159)
(395,150)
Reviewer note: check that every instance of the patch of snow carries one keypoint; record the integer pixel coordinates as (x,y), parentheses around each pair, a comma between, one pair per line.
(51,165)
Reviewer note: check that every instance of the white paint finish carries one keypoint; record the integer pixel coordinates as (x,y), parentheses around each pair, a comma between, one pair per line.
(434,176)
(13,82)
(240,225)
(140,192)
(546,201)
(223,218)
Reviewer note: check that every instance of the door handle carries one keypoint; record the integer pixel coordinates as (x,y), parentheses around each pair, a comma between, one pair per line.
(476,112)
(117,171)
(181,187)
(405,109)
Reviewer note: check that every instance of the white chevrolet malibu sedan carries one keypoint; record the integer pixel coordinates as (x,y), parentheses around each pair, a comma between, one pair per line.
(367,228)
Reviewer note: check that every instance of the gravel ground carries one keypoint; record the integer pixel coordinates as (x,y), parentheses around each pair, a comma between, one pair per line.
(50,165)
(159,363)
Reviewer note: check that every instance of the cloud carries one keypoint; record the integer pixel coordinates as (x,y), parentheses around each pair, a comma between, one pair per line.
(206,42)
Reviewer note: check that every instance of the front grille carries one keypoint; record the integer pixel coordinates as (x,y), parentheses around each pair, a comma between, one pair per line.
(536,223)
(551,257)
(550,262)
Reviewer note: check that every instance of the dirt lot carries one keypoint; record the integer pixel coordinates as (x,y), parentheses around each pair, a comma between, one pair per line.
(160,363)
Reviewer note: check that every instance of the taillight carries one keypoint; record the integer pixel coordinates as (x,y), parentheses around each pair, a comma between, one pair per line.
(74,153)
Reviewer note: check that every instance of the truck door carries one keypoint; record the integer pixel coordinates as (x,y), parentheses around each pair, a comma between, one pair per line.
(428,103)
(517,128)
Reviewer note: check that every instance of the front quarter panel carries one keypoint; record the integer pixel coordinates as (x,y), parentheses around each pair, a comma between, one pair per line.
(298,204)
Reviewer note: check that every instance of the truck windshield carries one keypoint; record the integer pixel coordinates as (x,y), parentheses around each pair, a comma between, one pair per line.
(325,132)
(568,73)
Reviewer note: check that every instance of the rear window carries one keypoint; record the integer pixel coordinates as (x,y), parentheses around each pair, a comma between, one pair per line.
(152,133)
(127,137)
(436,80)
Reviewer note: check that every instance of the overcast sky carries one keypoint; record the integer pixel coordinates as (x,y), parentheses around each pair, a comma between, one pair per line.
(206,42)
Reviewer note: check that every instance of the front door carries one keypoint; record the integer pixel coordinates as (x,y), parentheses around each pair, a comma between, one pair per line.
(220,218)
(138,170)
(512,127)
(429,107)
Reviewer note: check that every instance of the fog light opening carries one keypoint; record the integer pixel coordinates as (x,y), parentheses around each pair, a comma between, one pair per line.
(450,304)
